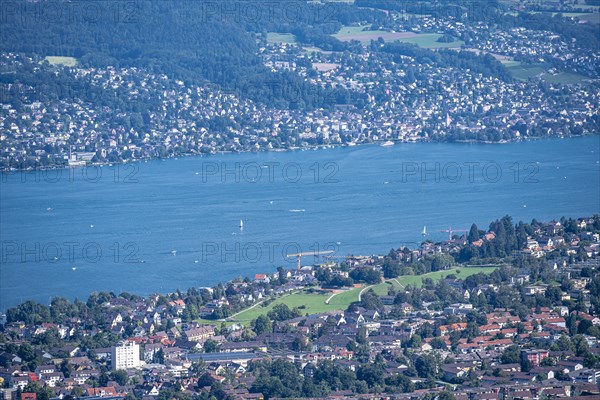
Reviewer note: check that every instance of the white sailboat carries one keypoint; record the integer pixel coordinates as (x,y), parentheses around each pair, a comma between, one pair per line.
(241,224)
(424,233)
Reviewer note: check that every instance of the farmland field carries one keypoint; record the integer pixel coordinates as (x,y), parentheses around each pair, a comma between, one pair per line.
(57,60)
(524,72)
(359,33)
(311,49)
(583,16)
(324,67)
(274,37)
(507,61)
(593,18)
(564,78)
(429,41)
(510,63)
(364,35)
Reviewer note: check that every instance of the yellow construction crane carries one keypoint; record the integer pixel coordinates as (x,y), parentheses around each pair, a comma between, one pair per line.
(310,253)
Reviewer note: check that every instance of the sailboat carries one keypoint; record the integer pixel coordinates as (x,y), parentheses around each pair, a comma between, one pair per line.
(424,233)
(241,224)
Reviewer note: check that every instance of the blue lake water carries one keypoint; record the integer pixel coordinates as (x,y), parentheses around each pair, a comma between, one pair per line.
(162,225)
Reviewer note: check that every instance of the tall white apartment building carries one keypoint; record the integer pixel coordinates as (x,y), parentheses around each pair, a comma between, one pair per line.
(125,355)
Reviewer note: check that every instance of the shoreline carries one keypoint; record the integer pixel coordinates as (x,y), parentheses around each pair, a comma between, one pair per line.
(381,253)
(289,149)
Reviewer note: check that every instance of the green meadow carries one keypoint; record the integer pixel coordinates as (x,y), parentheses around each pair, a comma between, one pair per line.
(314,302)
(274,37)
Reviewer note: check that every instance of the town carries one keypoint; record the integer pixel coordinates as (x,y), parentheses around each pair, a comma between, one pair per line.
(390,77)
(508,312)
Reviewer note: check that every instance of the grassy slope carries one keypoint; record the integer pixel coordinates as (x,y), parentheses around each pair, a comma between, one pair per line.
(460,273)
(314,303)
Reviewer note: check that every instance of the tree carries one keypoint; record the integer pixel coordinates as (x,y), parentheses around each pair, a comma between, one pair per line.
(26,352)
(511,355)
(399,382)
(30,312)
(445,395)
(279,378)
(473,234)
(210,346)
(205,380)
(159,357)
(367,275)
(391,266)
(282,312)
(426,366)
(42,392)
(526,365)
(120,376)
(563,343)
(370,300)
(438,343)
(269,386)
(581,346)
(584,326)
(281,276)
(371,373)
(300,344)
(262,324)
(415,342)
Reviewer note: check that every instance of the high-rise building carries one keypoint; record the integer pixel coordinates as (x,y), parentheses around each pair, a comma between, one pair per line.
(125,355)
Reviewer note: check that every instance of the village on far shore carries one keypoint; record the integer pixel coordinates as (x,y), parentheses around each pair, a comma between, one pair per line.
(404,78)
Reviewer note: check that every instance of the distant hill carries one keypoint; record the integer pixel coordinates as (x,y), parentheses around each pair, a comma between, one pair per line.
(190,40)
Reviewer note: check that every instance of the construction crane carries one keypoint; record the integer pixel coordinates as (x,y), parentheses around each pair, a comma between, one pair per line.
(310,253)
(450,231)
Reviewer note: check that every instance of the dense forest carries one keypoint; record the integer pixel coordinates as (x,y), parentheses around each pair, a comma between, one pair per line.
(194,41)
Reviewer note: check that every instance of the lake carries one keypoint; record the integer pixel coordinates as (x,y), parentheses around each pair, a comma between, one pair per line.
(165,224)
